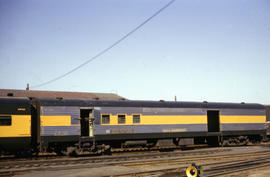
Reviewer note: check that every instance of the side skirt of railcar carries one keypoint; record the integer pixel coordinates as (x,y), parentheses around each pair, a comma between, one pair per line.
(60,144)
(15,145)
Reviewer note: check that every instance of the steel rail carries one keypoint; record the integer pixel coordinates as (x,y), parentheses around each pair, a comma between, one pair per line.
(56,164)
(32,164)
(158,172)
(179,171)
(237,167)
(191,159)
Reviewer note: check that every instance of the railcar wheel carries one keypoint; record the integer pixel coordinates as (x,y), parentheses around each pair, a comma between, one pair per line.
(176,141)
(243,140)
(72,151)
(108,152)
(225,143)
(151,143)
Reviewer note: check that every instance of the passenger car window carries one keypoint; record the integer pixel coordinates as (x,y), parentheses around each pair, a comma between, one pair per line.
(105,119)
(5,120)
(136,119)
(121,119)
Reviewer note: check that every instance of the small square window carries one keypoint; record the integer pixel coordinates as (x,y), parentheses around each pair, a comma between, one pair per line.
(136,119)
(105,119)
(121,119)
(5,120)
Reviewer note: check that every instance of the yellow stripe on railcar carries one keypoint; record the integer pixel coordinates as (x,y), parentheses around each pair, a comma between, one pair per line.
(55,120)
(242,119)
(20,127)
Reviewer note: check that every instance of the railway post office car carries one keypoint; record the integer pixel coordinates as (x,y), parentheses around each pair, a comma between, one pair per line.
(100,123)
(76,125)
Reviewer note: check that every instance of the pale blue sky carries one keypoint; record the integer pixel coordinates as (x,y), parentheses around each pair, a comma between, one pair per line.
(197,50)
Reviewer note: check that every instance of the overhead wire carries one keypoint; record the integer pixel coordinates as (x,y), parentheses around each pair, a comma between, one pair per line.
(106,49)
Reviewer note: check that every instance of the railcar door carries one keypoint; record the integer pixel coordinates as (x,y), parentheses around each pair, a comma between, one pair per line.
(91,123)
(213,121)
(87,122)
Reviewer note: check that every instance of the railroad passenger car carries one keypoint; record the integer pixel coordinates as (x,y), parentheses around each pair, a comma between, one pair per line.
(15,125)
(267,110)
(77,125)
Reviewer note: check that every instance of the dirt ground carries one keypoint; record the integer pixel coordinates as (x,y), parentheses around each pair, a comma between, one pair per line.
(262,172)
(85,172)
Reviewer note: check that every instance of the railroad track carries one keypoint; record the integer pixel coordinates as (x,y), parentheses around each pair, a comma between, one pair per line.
(229,164)
(11,166)
(237,167)
(177,158)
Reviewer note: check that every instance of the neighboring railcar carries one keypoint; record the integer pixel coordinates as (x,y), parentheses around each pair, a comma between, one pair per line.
(267,110)
(15,125)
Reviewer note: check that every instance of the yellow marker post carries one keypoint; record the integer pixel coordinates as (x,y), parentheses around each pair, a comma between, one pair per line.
(193,171)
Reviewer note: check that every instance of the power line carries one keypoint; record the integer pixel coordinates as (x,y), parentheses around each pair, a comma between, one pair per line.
(106,49)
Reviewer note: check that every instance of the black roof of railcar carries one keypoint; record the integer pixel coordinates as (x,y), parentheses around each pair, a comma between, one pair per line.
(14,101)
(135,103)
(10,105)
